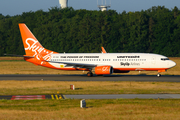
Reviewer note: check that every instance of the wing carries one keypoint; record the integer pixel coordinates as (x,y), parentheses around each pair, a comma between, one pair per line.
(81,65)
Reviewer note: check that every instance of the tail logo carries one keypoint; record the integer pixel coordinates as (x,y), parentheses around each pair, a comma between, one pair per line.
(36,48)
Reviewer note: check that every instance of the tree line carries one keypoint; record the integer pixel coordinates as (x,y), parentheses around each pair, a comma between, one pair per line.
(156,30)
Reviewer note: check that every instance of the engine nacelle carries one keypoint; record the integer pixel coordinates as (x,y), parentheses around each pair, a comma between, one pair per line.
(103,70)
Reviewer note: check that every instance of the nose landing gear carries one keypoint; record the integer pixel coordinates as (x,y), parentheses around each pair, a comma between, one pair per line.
(159,71)
(158,75)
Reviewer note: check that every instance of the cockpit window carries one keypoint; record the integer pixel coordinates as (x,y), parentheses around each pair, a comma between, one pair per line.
(164,59)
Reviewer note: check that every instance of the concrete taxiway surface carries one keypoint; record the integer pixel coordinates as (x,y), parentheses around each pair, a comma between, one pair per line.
(125,96)
(142,78)
(117,96)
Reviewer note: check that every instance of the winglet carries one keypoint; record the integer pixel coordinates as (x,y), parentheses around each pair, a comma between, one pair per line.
(103,50)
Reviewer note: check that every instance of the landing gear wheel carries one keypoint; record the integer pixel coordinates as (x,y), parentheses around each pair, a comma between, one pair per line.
(159,75)
(89,74)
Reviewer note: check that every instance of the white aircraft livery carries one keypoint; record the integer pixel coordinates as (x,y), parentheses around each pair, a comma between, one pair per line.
(98,63)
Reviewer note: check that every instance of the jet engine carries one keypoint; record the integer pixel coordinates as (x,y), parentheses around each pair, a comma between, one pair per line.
(103,70)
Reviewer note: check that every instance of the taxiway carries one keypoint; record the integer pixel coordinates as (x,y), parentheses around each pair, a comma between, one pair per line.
(140,78)
(108,96)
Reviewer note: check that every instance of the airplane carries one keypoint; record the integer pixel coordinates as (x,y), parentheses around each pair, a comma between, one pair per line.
(99,63)
(103,50)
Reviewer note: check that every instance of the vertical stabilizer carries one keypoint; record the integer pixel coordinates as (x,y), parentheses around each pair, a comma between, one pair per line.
(32,46)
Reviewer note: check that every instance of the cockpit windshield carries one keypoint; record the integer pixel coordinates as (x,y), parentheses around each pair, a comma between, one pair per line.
(164,59)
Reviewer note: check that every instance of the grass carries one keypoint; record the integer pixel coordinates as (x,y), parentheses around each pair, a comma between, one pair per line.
(122,109)
(16,65)
(52,87)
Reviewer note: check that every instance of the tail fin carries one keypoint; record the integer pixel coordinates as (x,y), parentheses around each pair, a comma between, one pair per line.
(32,46)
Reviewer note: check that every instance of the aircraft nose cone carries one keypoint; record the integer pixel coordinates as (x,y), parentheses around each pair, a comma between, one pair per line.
(172,64)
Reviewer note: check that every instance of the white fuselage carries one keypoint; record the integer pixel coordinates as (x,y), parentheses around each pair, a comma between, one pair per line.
(120,61)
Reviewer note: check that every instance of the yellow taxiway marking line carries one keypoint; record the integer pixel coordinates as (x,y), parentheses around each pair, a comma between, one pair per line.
(57,97)
(64,96)
(52,96)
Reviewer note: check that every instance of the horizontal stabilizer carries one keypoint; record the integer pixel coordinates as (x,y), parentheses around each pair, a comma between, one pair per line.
(19,55)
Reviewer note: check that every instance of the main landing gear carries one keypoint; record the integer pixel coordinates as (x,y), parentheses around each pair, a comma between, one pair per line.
(89,74)
(159,75)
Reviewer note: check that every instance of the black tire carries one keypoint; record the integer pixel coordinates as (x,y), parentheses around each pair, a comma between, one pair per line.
(89,74)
